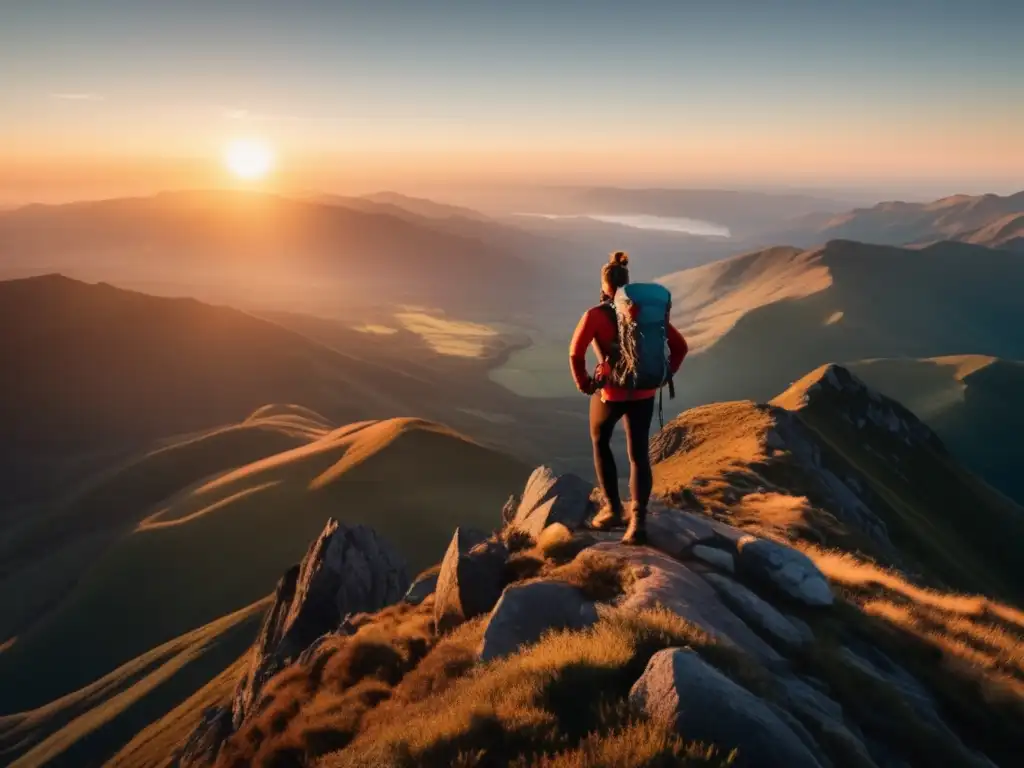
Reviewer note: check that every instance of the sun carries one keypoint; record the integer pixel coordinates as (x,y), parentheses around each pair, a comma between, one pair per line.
(249,159)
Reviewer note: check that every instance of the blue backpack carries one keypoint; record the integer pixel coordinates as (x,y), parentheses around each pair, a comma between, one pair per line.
(639,358)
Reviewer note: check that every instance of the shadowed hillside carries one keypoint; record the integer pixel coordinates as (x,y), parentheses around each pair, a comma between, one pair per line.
(196,552)
(973,402)
(100,373)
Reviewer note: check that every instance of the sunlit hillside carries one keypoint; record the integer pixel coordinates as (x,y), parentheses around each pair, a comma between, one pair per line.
(760,320)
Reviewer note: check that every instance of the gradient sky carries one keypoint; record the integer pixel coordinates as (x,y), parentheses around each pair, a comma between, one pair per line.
(874,92)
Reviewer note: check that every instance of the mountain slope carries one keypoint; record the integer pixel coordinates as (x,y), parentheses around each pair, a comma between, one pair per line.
(91,361)
(978,219)
(838,464)
(761,320)
(758,321)
(216,546)
(973,403)
(90,724)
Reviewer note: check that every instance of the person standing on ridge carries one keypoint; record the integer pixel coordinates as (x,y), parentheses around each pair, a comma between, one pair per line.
(638,351)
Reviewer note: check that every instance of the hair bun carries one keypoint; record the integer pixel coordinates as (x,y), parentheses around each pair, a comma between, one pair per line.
(619,257)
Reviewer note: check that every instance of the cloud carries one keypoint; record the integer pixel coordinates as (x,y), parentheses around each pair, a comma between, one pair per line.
(77,96)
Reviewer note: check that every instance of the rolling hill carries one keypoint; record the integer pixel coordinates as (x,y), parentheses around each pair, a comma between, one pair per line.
(182,557)
(244,247)
(99,373)
(990,220)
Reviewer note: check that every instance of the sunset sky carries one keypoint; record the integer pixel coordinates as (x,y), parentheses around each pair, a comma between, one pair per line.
(108,94)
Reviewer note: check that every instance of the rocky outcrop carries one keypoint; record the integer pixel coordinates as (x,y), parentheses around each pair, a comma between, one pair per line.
(345,571)
(679,689)
(527,611)
(549,498)
(470,580)
(663,581)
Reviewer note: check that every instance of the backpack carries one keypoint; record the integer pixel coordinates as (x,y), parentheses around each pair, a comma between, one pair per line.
(639,357)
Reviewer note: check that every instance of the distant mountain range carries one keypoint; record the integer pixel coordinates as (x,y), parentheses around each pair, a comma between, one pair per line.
(989,220)
(249,247)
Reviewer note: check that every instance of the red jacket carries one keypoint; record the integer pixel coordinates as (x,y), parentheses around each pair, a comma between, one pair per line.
(596,324)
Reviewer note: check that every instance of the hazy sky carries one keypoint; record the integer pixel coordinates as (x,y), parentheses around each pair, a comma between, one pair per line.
(908,93)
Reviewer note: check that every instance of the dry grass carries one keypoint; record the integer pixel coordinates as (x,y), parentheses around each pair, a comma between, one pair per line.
(968,650)
(315,707)
(559,703)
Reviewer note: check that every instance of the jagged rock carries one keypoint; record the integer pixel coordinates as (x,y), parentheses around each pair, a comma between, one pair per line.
(715,557)
(346,570)
(469,582)
(527,611)
(549,498)
(660,580)
(755,611)
(788,570)
(204,743)
(422,588)
(679,689)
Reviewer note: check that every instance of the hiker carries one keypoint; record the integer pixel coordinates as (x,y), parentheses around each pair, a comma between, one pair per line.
(638,352)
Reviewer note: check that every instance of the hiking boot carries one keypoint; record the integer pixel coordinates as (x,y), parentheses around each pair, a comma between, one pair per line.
(608,517)
(636,532)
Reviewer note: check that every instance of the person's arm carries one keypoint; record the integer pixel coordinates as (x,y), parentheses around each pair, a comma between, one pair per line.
(677,348)
(581,339)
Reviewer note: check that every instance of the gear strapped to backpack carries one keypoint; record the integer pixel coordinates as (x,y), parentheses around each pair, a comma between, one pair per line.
(639,356)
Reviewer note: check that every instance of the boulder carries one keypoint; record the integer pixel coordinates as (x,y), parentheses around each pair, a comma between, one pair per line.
(660,580)
(470,580)
(676,531)
(682,691)
(769,564)
(755,611)
(526,611)
(715,557)
(345,571)
(549,498)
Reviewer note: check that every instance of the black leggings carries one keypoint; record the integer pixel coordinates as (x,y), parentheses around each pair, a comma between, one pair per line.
(603,418)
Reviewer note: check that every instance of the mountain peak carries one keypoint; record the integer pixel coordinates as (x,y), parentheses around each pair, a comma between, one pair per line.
(836,390)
